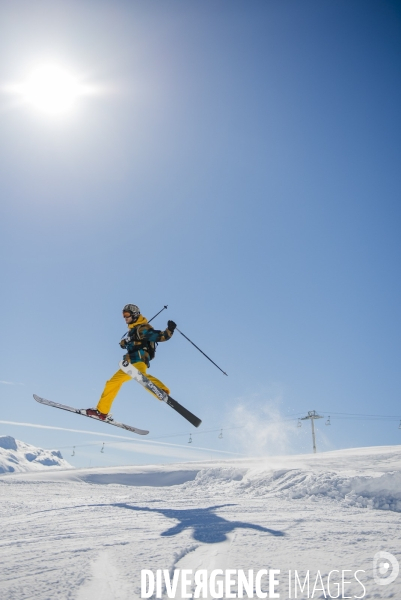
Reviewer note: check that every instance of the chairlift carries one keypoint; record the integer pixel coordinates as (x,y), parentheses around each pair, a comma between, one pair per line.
(220,434)
(190,439)
(102,449)
(73,451)
(328,421)
(299,424)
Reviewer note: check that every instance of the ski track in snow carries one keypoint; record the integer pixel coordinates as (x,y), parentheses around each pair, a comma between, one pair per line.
(207,557)
(106,581)
(73,535)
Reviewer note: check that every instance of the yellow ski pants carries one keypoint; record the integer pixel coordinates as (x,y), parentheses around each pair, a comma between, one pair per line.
(113,385)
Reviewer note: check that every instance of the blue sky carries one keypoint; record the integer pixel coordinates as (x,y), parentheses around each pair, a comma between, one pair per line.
(240,163)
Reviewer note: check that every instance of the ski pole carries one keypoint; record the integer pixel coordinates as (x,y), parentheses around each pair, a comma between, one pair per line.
(187,338)
(164,307)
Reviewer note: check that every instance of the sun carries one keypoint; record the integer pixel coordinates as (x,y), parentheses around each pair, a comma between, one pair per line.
(51,89)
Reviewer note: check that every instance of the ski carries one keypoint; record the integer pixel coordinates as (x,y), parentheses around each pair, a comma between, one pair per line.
(82,411)
(151,387)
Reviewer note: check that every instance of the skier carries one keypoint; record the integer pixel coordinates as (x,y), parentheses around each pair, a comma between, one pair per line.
(140,344)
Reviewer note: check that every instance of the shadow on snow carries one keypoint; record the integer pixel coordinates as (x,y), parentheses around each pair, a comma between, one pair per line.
(207,526)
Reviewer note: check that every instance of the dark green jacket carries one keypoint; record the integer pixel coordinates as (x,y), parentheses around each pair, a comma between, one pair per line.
(141,340)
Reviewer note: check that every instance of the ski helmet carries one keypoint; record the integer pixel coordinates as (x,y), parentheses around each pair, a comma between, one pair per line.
(132,309)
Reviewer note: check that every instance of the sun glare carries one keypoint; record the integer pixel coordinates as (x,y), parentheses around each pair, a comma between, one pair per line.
(51,89)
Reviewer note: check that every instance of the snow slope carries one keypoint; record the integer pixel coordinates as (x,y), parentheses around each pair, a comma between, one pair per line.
(16,456)
(87,534)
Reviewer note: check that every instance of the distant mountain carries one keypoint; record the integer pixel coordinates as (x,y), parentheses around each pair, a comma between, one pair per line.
(18,457)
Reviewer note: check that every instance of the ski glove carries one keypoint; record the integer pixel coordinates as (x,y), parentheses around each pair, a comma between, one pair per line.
(123,343)
(171,326)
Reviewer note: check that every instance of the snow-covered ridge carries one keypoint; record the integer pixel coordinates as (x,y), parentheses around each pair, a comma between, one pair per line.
(17,457)
(360,477)
(366,491)
(363,477)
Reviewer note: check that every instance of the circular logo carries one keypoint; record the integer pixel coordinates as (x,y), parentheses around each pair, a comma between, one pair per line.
(385,568)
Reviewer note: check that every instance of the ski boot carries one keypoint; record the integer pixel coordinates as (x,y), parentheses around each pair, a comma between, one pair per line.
(93,412)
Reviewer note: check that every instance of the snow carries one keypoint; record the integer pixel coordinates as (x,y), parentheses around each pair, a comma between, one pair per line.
(16,456)
(87,533)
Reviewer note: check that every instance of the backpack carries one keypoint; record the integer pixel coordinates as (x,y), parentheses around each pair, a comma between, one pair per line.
(151,349)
